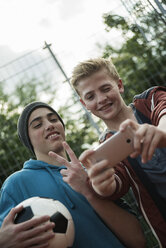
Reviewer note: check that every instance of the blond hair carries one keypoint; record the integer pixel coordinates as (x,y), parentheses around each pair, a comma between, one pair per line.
(86,68)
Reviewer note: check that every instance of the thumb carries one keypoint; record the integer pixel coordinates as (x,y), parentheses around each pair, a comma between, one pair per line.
(85,158)
(128,124)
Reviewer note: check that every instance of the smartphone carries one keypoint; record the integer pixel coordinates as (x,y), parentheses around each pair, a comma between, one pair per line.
(116,148)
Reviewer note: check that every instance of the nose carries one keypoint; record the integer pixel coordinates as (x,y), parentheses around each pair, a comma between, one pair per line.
(49,126)
(101,98)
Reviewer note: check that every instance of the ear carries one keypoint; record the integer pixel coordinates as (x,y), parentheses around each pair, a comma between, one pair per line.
(120,86)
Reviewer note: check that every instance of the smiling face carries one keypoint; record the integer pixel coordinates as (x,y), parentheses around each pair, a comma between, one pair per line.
(102,95)
(46,133)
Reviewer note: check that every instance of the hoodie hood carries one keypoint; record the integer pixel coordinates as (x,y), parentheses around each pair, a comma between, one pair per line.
(54,172)
(38,164)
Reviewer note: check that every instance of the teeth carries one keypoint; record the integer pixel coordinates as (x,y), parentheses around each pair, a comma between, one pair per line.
(52,136)
(106,106)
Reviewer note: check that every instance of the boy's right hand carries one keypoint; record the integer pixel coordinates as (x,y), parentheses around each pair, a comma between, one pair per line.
(101,174)
(37,231)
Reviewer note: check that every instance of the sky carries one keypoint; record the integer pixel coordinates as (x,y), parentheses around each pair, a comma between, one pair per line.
(73,27)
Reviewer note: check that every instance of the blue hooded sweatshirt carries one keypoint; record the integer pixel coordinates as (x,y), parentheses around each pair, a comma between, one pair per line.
(38,178)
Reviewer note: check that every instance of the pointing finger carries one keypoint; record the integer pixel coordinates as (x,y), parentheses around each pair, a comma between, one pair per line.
(10,217)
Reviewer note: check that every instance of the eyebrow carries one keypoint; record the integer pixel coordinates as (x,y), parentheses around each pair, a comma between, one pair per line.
(39,118)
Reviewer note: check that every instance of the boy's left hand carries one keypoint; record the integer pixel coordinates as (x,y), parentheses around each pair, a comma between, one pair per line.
(146,139)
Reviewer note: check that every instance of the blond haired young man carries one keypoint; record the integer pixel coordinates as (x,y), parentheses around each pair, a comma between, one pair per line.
(100,88)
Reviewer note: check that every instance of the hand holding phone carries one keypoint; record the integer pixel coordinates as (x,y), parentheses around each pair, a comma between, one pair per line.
(116,148)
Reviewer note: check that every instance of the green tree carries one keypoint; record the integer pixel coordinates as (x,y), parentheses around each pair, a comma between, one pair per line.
(141,58)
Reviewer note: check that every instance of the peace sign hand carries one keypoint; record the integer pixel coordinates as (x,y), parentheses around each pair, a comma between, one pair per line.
(75,175)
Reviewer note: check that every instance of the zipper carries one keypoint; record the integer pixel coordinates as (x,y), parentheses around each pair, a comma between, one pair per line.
(142,209)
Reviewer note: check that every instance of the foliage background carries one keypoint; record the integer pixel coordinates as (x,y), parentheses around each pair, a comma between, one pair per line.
(140,60)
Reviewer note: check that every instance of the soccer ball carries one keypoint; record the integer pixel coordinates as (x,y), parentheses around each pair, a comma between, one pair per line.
(59,214)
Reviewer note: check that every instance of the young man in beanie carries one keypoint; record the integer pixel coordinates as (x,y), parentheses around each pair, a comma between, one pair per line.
(98,223)
(100,89)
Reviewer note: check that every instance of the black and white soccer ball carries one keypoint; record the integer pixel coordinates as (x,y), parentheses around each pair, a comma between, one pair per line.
(59,214)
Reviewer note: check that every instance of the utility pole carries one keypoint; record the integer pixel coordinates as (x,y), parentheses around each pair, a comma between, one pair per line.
(48,46)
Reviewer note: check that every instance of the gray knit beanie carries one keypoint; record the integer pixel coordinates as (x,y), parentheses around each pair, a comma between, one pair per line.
(22,125)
